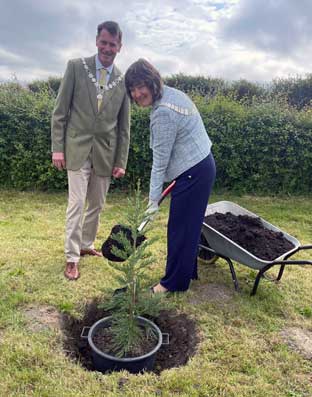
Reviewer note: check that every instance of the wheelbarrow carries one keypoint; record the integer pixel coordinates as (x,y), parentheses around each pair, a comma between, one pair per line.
(214,244)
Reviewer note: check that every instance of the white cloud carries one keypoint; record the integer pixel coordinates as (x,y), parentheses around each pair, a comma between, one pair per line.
(10,56)
(277,27)
(230,39)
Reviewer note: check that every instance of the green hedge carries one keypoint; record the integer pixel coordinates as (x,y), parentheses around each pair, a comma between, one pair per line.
(262,147)
(297,90)
(25,158)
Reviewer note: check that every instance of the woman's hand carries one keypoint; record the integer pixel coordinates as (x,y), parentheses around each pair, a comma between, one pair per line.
(152,208)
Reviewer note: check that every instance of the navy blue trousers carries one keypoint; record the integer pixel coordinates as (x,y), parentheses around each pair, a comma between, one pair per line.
(189,199)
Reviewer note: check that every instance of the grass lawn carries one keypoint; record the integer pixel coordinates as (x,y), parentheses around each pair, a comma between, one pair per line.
(246,347)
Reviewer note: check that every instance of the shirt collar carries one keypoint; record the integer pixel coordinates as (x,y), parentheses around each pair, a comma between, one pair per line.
(99,66)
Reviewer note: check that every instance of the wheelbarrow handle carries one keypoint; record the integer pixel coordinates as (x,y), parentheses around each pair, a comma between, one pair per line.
(292,262)
(305,247)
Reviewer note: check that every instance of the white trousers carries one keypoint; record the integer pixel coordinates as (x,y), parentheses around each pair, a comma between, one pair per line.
(84,189)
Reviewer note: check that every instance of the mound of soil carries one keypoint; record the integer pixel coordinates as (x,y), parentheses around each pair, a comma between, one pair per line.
(249,233)
(112,242)
(183,337)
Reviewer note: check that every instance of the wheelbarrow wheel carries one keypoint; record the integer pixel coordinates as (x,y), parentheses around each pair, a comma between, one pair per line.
(208,257)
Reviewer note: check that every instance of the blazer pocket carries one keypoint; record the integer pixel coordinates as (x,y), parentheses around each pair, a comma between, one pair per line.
(113,141)
(71,132)
(104,141)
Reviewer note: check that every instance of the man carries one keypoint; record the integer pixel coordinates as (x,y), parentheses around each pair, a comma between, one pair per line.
(90,138)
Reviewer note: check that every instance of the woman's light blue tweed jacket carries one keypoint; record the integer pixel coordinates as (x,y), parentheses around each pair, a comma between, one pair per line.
(178,140)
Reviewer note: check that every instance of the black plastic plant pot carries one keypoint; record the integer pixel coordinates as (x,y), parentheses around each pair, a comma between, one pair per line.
(106,363)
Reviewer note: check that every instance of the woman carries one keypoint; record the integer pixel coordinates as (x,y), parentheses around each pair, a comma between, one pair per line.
(181,151)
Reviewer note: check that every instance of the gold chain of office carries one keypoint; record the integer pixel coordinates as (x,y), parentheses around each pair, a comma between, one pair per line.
(99,88)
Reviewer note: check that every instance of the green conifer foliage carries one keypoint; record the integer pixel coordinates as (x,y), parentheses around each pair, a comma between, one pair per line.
(137,299)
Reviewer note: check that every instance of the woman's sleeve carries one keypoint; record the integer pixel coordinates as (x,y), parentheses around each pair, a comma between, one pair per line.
(164,131)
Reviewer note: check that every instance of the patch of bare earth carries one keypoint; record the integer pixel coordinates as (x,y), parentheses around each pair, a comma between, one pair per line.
(210,293)
(182,331)
(299,340)
(41,318)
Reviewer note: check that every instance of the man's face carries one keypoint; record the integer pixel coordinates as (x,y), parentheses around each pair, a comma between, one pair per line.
(108,47)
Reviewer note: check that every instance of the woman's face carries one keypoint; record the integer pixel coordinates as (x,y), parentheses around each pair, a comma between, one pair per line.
(142,95)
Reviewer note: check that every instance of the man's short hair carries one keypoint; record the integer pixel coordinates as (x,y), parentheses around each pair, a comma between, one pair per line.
(142,72)
(112,28)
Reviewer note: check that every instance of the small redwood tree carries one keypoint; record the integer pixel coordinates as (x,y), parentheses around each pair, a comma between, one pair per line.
(136,299)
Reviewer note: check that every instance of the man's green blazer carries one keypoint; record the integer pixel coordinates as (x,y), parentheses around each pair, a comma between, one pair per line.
(78,127)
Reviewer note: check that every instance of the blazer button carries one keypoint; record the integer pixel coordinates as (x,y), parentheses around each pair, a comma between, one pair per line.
(190,177)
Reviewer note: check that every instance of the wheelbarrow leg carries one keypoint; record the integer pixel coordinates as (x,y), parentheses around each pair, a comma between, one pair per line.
(280,273)
(256,283)
(216,255)
(259,275)
(233,273)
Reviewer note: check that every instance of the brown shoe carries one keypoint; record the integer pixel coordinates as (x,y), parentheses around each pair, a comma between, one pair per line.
(71,272)
(90,251)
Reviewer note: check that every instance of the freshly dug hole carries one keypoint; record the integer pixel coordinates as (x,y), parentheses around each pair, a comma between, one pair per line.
(183,337)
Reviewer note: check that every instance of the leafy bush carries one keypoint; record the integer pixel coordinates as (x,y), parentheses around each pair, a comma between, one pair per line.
(263,148)
(52,85)
(224,120)
(140,155)
(260,143)
(25,157)
(297,90)
(245,90)
(204,86)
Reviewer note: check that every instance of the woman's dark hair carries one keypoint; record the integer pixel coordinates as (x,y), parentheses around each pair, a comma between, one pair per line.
(112,28)
(142,72)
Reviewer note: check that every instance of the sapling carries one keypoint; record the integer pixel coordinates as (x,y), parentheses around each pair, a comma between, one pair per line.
(136,299)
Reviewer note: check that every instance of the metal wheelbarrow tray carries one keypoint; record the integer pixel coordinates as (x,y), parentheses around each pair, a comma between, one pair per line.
(221,246)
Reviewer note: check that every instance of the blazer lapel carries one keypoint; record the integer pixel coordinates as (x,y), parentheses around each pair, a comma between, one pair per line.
(90,85)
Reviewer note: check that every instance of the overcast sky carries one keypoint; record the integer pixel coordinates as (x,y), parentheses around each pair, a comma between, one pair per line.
(257,40)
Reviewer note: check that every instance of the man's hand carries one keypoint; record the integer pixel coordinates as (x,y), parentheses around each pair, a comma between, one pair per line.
(58,160)
(118,172)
